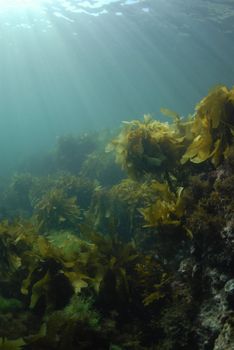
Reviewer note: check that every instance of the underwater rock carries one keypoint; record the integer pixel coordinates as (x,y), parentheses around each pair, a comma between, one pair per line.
(225,340)
(229,290)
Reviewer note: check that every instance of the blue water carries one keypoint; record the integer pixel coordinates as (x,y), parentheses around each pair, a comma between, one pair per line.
(73,66)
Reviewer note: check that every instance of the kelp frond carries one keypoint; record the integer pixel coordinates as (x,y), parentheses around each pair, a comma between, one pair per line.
(143,147)
(212,128)
(167,209)
(55,210)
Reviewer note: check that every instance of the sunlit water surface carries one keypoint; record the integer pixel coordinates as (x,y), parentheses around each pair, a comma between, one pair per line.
(72,66)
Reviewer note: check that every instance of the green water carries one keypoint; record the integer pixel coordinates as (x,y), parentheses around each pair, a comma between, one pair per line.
(116,238)
(73,66)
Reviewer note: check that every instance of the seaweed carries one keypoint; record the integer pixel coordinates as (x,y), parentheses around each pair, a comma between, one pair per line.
(213,128)
(142,262)
(147,147)
(8,305)
(11,344)
(118,206)
(168,208)
(71,151)
(56,210)
(100,166)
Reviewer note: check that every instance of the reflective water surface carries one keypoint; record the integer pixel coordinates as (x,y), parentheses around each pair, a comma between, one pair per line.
(69,66)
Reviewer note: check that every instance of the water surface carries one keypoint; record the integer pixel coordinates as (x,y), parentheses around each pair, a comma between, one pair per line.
(72,66)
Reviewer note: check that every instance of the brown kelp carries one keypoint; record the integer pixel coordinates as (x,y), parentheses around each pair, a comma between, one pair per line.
(137,263)
(148,146)
(212,128)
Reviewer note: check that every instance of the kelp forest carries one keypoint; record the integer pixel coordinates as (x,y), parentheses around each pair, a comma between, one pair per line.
(123,239)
